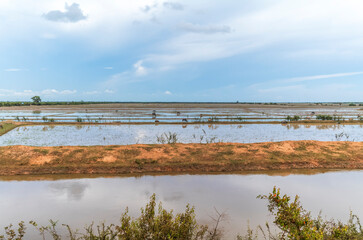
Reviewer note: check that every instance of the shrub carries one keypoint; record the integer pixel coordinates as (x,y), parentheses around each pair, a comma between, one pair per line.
(294,118)
(324,117)
(296,223)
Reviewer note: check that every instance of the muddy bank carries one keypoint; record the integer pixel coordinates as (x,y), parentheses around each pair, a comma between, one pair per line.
(179,158)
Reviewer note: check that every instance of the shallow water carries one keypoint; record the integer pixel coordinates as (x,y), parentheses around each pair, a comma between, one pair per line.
(175,115)
(80,201)
(72,135)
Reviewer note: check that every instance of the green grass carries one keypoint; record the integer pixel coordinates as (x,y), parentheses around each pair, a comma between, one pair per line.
(6,127)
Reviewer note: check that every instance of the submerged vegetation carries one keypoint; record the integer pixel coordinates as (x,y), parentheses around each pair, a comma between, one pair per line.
(155,222)
(169,138)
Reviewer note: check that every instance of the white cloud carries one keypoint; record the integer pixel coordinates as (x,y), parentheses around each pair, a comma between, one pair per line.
(174,5)
(66,92)
(318,77)
(139,69)
(13,70)
(92,92)
(205,29)
(50,91)
(109,91)
(108,68)
(72,13)
(167,93)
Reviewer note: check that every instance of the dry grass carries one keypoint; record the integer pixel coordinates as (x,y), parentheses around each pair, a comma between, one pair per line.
(216,157)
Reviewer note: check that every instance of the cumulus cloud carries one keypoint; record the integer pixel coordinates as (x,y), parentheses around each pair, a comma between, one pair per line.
(206,29)
(167,92)
(173,5)
(139,69)
(72,13)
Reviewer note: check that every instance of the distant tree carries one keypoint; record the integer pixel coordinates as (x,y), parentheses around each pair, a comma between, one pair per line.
(36,100)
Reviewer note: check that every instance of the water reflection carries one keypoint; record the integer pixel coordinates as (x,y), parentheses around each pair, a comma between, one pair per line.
(72,190)
(81,201)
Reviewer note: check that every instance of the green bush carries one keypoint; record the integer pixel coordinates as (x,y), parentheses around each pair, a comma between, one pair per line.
(296,223)
(324,117)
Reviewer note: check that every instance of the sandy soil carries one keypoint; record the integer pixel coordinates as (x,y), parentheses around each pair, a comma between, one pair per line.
(179,158)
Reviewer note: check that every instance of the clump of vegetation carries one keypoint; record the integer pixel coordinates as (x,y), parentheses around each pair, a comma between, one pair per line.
(36,100)
(324,117)
(169,138)
(154,223)
(296,223)
(79,120)
(294,118)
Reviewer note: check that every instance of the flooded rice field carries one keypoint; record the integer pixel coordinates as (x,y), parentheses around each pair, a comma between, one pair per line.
(80,201)
(257,114)
(86,135)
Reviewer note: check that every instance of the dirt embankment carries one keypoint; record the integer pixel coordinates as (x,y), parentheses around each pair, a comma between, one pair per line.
(171,158)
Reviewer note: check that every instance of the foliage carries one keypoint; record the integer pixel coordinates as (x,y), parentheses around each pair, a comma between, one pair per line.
(294,118)
(154,223)
(296,223)
(324,117)
(36,100)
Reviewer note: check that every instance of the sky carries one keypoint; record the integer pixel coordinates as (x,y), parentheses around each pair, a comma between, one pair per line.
(182,50)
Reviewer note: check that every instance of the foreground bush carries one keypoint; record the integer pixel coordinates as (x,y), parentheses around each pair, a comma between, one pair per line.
(154,223)
(293,221)
(296,223)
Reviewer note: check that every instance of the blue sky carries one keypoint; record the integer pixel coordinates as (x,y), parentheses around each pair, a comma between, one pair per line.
(191,50)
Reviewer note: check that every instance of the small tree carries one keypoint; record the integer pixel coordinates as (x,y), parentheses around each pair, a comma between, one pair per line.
(36,100)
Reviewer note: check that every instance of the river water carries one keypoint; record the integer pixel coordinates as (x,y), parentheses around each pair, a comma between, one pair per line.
(80,201)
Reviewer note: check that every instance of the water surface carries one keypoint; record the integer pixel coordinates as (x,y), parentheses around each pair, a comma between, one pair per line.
(72,135)
(81,201)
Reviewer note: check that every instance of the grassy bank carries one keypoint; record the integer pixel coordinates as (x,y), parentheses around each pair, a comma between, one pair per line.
(6,127)
(179,158)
